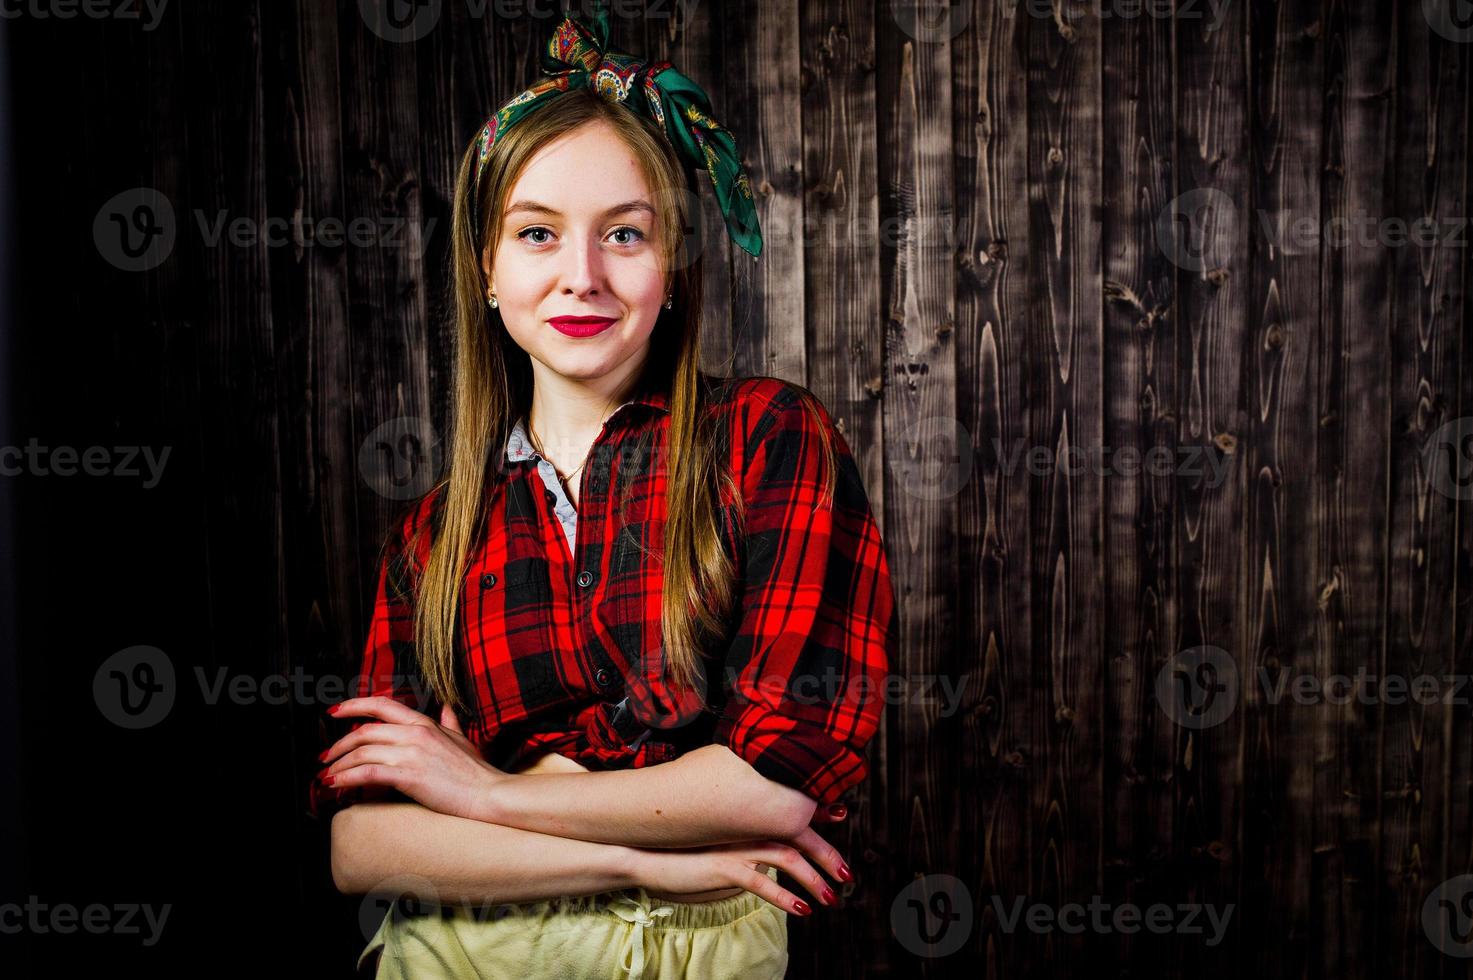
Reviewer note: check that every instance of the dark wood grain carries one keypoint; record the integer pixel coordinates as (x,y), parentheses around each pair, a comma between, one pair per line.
(842,335)
(1352,475)
(1141,400)
(1426,352)
(917,291)
(760,56)
(989,109)
(1202,858)
(1065,704)
(997,233)
(1283,569)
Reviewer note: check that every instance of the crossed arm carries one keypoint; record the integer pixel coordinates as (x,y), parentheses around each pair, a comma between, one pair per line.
(577,831)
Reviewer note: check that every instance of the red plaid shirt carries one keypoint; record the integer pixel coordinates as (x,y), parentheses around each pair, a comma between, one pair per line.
(560,649)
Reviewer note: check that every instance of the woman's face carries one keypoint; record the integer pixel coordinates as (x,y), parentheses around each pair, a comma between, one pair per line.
(579,239)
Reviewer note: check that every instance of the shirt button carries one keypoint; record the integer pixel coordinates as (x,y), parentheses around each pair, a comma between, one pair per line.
(488,580)
(585,579)
(549,495)
(604,677)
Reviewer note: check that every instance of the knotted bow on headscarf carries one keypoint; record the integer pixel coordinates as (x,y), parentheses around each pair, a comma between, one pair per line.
(577,56)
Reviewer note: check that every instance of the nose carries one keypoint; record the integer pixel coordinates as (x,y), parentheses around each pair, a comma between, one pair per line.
(583,271)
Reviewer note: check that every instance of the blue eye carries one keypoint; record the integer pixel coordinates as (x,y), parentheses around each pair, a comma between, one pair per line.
(620,230)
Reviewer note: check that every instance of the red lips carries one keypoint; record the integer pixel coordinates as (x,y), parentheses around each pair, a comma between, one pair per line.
(582,326)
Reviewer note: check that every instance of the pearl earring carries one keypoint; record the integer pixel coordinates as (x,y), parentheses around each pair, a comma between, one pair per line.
(491,299)
(669,301)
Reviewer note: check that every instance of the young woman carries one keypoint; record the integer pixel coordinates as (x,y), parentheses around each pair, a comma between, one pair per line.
(649,608)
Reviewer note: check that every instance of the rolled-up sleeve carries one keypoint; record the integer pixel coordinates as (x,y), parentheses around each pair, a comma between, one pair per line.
(806,667)
(388,665)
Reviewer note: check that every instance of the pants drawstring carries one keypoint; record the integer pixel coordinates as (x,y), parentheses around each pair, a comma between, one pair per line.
(639,913)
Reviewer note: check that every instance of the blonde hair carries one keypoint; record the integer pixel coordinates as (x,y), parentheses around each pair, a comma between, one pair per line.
(492,387)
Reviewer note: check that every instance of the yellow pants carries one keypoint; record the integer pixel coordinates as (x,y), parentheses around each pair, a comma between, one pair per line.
(619,935)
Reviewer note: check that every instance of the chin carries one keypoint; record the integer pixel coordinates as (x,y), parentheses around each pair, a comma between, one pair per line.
(581,368)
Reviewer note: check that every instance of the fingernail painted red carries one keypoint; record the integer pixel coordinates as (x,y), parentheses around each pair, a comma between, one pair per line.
(845,873)
(801,907)
(334,709)
(838,811)
(829,896)
(329,780)
(322,756)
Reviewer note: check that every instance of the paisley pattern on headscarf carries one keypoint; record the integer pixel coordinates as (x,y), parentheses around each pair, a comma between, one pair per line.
(578,56)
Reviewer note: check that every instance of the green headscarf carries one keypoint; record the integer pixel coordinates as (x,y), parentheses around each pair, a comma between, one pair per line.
(577,56)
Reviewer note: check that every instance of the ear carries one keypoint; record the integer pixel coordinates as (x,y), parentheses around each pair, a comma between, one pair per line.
(486,267)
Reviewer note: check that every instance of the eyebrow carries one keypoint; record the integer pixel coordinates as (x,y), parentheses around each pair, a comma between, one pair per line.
(532,207)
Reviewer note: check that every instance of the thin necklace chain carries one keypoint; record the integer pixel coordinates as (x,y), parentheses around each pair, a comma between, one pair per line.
(537,444)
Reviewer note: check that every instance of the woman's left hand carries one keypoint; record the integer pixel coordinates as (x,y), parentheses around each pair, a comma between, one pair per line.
(433,764)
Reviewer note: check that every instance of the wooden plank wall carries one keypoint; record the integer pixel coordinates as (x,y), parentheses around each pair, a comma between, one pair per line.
(999,233)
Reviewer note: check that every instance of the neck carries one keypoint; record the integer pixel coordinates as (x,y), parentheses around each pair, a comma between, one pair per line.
(567,413)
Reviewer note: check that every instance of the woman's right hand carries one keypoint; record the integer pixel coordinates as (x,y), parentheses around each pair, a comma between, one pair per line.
(741,864)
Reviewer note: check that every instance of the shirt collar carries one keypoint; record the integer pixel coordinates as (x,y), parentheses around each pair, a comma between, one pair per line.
(519,447)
